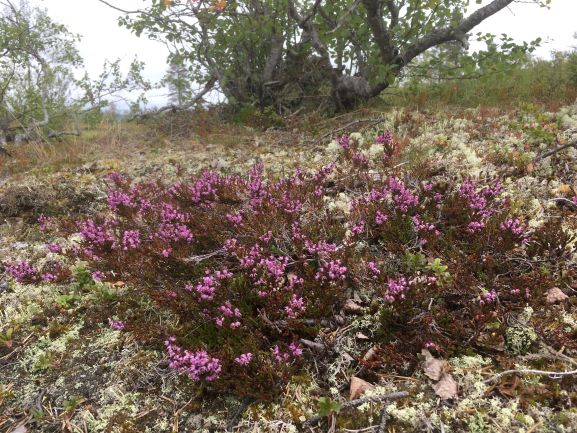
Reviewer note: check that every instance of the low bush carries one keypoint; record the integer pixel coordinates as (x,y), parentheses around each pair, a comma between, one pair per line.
(253,266)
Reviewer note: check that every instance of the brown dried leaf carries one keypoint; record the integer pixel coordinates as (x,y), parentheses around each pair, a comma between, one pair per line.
(446,388)
(555,295)
(352,307)
(359,387)
(371,353)
(432,367)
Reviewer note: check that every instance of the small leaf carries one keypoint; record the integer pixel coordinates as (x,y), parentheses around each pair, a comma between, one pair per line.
(446,388)
(433,368)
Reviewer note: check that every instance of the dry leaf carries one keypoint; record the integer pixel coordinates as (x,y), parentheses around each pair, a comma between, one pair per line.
(565,189)
(20,429)
(371,353)
(352,307)
(446,388)
(359,387)
(555,295)
(361,336)
(433,368)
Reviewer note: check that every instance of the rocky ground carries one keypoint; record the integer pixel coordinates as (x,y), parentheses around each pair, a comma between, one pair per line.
(63,368)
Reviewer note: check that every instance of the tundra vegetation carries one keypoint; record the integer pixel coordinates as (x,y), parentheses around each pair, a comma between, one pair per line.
(400,267)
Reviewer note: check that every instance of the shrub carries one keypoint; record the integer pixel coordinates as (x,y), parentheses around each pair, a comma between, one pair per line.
(253,265)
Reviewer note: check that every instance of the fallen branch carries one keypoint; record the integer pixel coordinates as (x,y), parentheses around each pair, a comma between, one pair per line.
(238,413)
(357,402)
(371,122)
(383,421)
(209,85)
(557,149)
(551,374)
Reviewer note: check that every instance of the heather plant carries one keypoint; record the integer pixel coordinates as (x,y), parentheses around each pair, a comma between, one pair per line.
(253,266)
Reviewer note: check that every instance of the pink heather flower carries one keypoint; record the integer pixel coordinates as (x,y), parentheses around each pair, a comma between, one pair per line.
(574,200)
(475,226)
(235,219)
(422,226)
(401,195)
(44,221)
(381,218)
(49,277)
(345,142)
(374,269)
(117,325)
(95,235)
(331,271)
(23,272)
(321,247)
(266,237)
(130,239)
(385,138)
(428,186)
(295,307)
(396,289)
(488,297)
(54,248)
(360,159)
(197,365)
(98,275)
(358,228)
(118,199)
(166,252)
(294,351)
(431,346)
(116,178)
(514,226)
(244,359)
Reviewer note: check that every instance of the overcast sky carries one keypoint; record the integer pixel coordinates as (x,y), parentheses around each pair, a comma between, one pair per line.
(103,39)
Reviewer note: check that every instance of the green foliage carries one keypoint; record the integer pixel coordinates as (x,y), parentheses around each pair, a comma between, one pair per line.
(327,406)
(40,95)
(528,81)
(259,52)
(261,119)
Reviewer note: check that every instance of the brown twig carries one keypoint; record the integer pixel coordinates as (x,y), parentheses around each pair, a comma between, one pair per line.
(382,421)
(557,149)
(552,374)
(357,402)
(372,121)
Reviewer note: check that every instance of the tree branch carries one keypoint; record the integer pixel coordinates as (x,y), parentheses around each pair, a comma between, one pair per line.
(439,36)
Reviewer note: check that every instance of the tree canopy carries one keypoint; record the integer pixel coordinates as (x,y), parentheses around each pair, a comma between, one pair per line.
(42,87)
(283,53)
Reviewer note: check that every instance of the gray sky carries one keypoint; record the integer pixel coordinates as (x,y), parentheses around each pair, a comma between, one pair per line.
(102,38)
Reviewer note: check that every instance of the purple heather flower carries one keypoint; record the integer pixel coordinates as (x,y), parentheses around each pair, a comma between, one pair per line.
(244,359)
(385,138)
(295,307)
(488,297)
(117,325)
(22,271)
(130,239)
(396,289)
(44,221)
(54,248)
(197,365)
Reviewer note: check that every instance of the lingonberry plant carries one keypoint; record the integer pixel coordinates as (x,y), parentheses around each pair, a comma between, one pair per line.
(252,265)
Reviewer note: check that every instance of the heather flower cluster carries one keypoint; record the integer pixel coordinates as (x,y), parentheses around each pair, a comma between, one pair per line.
(246,261)
(197,365)
(25,273)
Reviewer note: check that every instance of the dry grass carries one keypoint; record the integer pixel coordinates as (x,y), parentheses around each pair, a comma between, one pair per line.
(108,140)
